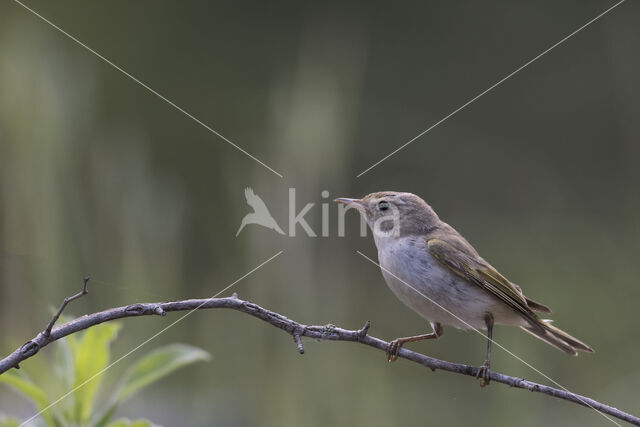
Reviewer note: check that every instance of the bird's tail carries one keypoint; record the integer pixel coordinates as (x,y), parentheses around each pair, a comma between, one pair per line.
(556,337)
(277,227)
(242,224)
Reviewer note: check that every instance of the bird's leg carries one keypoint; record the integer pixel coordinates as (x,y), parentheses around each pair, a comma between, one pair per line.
(395,345)
(484,371)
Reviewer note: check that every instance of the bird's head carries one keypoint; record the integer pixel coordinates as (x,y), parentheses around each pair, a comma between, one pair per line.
(394,214)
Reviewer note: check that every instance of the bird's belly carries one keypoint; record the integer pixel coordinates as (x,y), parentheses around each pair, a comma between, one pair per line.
(436,293)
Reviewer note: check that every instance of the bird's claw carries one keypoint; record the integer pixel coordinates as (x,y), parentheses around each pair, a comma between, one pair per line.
(484,374)
(393,349)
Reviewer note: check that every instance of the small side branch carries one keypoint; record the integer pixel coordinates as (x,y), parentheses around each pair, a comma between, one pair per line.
(66,301)
(296,330)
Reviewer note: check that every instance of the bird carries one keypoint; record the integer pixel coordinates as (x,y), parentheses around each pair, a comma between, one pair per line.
(260,214)
(436,272)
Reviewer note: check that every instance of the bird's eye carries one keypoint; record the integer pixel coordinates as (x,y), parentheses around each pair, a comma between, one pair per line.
(383,205)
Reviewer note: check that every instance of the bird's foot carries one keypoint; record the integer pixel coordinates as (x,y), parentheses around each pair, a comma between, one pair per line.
(394,349)
(484,374)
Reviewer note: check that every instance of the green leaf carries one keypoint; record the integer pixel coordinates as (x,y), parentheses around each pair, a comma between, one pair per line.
(90,355)
(103,417)
(150,368)
(123,422)
(63,364)
(9,422)
(22,383)
(157,364)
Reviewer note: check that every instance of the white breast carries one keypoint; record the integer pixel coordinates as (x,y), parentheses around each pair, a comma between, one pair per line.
(433,291)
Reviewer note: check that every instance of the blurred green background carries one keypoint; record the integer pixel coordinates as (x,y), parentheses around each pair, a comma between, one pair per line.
(98,176)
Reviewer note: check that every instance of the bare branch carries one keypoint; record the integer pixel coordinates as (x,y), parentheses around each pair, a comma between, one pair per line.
(296,330)
(67,300)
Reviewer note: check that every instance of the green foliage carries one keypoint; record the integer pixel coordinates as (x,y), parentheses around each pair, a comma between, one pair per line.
(91,356)
(8,422)
(21,382)
(79,363)
(123,422)
(149,369)
(157,364)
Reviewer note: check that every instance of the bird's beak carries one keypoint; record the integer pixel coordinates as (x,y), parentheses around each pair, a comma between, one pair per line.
(356,203)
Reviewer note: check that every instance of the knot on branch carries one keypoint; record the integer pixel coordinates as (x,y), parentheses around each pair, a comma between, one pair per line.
(328,330)
(135,308)
(30,348)
(251,307)
(145,309)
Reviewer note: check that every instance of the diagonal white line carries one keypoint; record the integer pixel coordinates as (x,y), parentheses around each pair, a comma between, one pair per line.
(168,101)
(486,337)
(499,82)
(180,319)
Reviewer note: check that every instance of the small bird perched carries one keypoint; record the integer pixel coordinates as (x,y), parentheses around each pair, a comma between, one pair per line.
(433,270)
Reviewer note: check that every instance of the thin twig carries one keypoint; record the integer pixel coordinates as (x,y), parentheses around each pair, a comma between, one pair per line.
(66,301)
(297,331)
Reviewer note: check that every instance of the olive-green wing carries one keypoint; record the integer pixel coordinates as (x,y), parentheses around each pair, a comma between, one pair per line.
(467,265)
